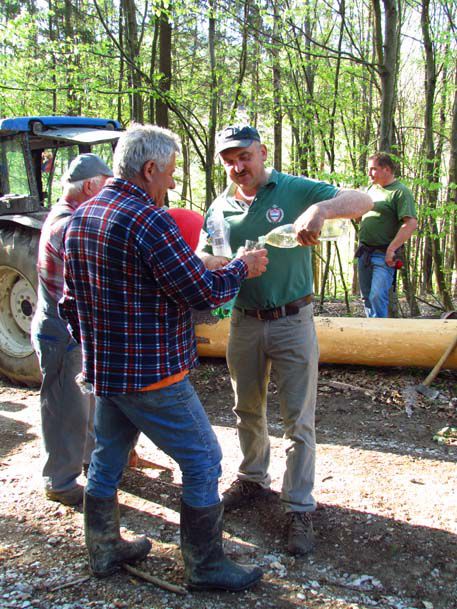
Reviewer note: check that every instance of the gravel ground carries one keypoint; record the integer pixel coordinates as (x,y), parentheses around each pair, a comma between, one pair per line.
(386,523)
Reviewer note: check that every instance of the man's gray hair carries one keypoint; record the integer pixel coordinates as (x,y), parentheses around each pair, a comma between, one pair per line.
(73,189)
(142,143)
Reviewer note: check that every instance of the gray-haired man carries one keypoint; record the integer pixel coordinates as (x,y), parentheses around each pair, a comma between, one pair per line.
(138,347)
(66,414)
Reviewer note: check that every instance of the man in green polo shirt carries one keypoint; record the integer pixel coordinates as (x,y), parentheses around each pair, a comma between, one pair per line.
(383,231)
(272,324)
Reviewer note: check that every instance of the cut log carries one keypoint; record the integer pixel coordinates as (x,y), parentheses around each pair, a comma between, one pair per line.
(350,340)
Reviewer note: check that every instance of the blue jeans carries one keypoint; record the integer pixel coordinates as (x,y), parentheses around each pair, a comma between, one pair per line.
(375,282)
(174,419)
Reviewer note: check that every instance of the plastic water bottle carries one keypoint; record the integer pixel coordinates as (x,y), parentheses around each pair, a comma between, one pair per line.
(219,231)
(281,236)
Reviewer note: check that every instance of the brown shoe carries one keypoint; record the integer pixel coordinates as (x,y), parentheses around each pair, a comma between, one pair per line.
(73,496)
(300,533)
(243,492)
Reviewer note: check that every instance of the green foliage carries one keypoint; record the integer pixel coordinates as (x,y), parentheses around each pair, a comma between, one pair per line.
(90,57)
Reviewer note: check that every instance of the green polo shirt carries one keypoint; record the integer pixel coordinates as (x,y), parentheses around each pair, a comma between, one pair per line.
(392,203)
(289,273)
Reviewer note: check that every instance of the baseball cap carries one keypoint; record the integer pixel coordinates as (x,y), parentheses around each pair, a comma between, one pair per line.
(86,166)
(236,136)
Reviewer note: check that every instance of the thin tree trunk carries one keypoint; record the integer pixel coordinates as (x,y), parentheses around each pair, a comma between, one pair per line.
(132,51)
(210,147)
(452,181)
(165,69)
(52,38)
(242,61)
(277,112)
(152,69)
(431,162)
(387,56)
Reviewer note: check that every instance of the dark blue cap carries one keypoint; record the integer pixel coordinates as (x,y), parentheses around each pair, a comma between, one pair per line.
(236,136)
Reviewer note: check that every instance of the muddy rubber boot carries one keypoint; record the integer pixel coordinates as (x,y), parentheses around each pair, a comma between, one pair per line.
(107,550)
(206,566)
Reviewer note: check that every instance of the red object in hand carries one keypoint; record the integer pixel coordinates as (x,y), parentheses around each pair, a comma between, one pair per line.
(398,264)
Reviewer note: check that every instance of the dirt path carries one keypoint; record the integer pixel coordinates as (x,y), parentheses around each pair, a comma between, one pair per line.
(386,526)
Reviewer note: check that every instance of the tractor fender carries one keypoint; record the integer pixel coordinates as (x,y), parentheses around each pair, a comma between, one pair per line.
(33,220)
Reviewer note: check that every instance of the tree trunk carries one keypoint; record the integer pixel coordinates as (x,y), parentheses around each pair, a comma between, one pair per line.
(276,71)
(185,191)
(152,70)
(387,46)
(72,102)
(164,68)
(242,61)
(210,146)
(431,162)
(452,180)
(336,81)
(131,50)
(52,38)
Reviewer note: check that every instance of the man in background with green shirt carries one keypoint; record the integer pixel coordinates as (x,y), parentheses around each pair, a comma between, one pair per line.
(272,325)
(383,231)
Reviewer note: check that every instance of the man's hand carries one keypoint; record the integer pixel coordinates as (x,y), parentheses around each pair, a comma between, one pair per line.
(390,257)
(309,225)
(404,233)
(213,263)
(256,261)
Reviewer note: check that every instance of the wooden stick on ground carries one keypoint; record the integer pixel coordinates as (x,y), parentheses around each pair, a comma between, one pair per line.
(152,579)
(339,386)
(72,582)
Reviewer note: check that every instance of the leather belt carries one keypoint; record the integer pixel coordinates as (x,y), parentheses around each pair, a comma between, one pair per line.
(291,308)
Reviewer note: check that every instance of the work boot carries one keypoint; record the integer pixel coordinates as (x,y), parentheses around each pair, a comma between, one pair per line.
(107,550)
(73,496)
(300,533)
(243,492)
(206,566)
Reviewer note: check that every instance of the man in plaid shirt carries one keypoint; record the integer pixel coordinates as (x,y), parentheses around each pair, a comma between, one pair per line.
(66,414)
(130,283)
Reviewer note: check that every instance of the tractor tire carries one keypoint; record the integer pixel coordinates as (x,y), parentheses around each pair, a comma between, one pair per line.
(18,299)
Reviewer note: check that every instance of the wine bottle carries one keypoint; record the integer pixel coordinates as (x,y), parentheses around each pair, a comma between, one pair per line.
(281,236)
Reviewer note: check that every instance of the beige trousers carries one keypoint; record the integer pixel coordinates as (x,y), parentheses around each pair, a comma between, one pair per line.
(288,347)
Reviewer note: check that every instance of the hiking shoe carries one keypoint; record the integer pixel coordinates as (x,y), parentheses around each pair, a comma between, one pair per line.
(242,492)
(300,533)
(73,496)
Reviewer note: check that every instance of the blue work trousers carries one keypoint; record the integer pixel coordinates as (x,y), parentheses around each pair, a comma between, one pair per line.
(375,279)
(66,414)
(174,419)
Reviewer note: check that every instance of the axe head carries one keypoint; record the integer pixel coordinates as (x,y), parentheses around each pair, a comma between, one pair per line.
(429,393)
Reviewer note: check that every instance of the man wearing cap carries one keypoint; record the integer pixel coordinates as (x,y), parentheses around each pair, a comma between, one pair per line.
(272,324)
(66,413)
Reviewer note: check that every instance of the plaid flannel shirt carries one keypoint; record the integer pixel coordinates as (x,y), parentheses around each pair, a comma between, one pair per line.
(130,282)
(51,255)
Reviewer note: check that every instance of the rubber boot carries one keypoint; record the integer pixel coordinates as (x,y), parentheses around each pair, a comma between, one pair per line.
(107,550)
(206,566)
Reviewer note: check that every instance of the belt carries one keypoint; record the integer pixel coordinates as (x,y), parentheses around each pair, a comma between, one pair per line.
(291,308)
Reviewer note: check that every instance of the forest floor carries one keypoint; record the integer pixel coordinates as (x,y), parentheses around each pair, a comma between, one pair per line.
(386,522)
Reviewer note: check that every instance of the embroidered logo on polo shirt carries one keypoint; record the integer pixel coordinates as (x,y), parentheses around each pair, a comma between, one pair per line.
(275,214)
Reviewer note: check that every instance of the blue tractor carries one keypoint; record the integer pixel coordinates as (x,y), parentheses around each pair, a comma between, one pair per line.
(34,154)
